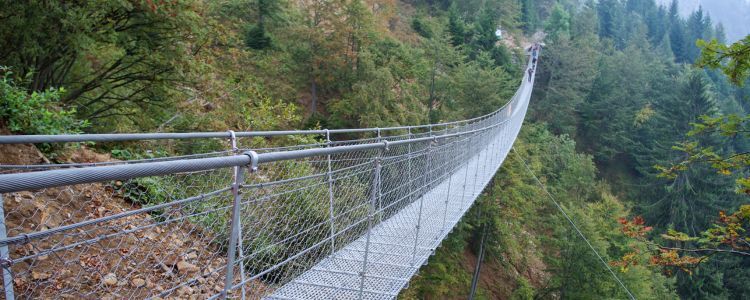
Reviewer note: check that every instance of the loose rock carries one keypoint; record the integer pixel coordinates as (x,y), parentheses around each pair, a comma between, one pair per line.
(40,275)
(110,279)
(138,282)
(186,267)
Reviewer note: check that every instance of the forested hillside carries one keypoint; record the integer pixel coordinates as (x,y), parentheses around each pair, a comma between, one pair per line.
(616,96)
(616,81)
(734,15)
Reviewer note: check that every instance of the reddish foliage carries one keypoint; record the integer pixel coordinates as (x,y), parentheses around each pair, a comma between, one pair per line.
(634,228)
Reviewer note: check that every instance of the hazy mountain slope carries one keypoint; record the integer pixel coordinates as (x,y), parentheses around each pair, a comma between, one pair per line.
(734,14)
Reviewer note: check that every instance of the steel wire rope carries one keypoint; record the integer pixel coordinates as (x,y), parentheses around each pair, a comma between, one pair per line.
(580,233)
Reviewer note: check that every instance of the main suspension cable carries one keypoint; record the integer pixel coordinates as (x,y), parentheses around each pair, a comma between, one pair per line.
(544,188)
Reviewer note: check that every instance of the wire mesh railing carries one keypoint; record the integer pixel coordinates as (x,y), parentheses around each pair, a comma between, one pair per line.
(323,218)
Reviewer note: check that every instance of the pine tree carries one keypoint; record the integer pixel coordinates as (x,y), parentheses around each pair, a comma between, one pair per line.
(558,23)
(484,30)
(257,36)
(684,202)
(677,35)
(699,27)
(529,17)
(456,27)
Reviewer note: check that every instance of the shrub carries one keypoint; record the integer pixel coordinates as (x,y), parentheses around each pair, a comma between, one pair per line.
(36,112)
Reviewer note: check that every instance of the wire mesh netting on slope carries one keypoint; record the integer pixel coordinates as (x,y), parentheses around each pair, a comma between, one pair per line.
(324,218)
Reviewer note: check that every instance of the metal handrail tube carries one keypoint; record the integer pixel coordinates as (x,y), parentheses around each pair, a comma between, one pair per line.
(52,178)
(44,179)
(114,162)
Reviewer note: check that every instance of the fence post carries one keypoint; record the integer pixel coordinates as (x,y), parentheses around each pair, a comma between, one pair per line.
(380,199)
(370,215)
(408,168)
(237,181)
(487,149)
(466,170)
(5,256)
(447,197)
(421,204)
(235,227)
(329,176)
(479,157)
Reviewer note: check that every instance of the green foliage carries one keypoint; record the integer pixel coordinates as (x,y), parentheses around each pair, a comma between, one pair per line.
(524,227)
(257,38)
(733,60)
(149,191)
(118,60)
(565,77)
(523,291)
(558,23)
(607,85)
(418,24)
(36,112)
(529,15)
(478,87)
(456,27)
(484,28)
(625,100)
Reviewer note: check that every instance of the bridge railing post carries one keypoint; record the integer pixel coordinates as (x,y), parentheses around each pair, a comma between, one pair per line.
(236,180)
(449,172)
(427,162)
(478,150)
(235,226)
(467,158)
(374,194)
(329,178)
(5,261)
(408,168)
(379,211)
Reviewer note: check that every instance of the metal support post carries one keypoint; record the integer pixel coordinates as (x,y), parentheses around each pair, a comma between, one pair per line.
(236,182)
(466,169)
(486,153)
(379,211)
(330,196)
(447,197)
(476,169)
(448,171)
(408,169)
(371,214)
(234,236)
(428,161)
(421,205)
(5,261)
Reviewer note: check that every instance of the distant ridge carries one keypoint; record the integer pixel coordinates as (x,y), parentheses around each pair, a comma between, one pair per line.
(733,14)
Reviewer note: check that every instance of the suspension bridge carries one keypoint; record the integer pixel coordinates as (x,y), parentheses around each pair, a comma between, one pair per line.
(322,217)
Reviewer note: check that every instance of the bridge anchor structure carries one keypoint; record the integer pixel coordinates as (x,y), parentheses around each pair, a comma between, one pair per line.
(321,218)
